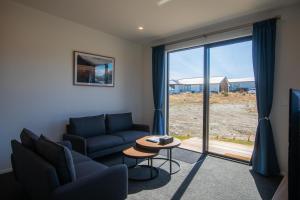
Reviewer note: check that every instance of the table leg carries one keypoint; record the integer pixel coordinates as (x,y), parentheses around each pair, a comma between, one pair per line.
(168,154)
(151,166)
(170,160)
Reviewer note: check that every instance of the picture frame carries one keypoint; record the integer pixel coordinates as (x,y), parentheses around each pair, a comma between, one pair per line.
(93,70)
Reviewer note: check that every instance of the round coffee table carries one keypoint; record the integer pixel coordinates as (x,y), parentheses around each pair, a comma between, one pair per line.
(138,153)
(152,146)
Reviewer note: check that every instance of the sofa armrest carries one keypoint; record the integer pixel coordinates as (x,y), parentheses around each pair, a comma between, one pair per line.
(141,127)
(111,183)
(78,143)
(66,143)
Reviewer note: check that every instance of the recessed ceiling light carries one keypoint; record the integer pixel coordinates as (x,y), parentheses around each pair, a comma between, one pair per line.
(162,2)
(141,28)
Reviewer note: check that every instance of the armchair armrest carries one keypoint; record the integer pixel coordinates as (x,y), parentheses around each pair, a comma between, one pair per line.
(78,143)
(111,183)
(141,127)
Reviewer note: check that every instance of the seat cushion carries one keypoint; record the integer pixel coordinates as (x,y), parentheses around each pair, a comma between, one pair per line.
(88,126)
(131,135)
(118,122)
(103,142)
(59,156)
(28,139)
(78,158)
(87,168)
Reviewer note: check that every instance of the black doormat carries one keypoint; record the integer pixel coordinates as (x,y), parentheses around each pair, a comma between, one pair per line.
(183,155)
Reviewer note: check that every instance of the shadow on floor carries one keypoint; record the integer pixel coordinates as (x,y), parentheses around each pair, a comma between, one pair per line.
(188,179)
(184,155)
(137,186)
(266,186)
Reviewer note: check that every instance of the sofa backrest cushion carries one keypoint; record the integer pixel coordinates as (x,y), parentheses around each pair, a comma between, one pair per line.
(88,126)
(119,122)
(59,156)
(28,139)
(36,175)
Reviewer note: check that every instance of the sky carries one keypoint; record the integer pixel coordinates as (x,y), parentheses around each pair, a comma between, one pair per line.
(100,69)
(232,61)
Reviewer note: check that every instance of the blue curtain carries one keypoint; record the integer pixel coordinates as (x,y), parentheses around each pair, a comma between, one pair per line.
(264,160)
(158,74)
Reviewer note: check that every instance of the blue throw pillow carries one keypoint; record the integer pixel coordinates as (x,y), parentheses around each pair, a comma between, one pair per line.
(119,122)
(28,139)
(58,156)
(88,126)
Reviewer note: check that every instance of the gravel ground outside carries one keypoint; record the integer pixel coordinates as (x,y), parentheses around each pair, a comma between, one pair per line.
(233,116)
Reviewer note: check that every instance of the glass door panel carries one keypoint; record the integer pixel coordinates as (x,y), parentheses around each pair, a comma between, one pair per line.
(185,109)
(232,100)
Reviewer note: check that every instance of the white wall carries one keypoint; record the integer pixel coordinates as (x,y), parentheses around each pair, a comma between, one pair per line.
(36,82)
(147,86)
(287,70)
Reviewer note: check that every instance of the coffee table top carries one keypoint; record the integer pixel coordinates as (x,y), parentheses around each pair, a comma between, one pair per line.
(135,152)
(151,145)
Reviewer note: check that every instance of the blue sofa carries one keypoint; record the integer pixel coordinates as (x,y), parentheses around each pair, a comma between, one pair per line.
(50,171)
(97,136)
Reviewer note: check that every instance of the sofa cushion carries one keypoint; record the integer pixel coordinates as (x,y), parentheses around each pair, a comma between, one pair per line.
(59,156)
(131,135)
(88,126)
(119,122)
(28,139)
(87,168)
(78,158)
(103,142)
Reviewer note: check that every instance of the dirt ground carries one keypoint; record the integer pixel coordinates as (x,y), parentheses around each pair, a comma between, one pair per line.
(232,116)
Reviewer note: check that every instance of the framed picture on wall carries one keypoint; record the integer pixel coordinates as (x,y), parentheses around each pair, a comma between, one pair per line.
(93,70)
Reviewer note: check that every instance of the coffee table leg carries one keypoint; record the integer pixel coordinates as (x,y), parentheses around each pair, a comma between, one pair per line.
(151,166)
(170,160)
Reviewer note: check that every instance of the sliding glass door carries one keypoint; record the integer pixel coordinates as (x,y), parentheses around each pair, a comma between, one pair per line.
(232,100)
(211,98)
(186,97)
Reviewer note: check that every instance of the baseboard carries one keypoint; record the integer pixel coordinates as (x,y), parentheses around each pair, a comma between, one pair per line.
(3,171)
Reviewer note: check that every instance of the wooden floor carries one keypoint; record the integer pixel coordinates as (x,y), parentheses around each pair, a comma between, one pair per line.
(239,151)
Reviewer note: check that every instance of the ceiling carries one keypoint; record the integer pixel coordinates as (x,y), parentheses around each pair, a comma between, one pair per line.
(160,18)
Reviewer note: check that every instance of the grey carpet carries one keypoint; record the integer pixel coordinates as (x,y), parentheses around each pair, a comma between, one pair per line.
(210,179)
(183,155)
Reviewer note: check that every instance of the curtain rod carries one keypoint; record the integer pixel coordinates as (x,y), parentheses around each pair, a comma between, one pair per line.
(216,32)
